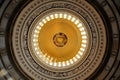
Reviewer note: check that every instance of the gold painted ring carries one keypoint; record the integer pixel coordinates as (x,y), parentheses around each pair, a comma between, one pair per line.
(59,39)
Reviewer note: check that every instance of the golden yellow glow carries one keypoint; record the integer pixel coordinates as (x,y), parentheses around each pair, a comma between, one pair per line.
(68,28)
(59,39)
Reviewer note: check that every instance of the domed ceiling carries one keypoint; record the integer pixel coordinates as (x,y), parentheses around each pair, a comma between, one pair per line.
(59,40)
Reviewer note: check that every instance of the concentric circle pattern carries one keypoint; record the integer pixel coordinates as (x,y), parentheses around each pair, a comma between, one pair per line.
(35,31)
(68,34)
(59,40)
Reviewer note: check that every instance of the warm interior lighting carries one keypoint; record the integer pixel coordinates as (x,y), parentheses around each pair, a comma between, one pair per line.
(57,32)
